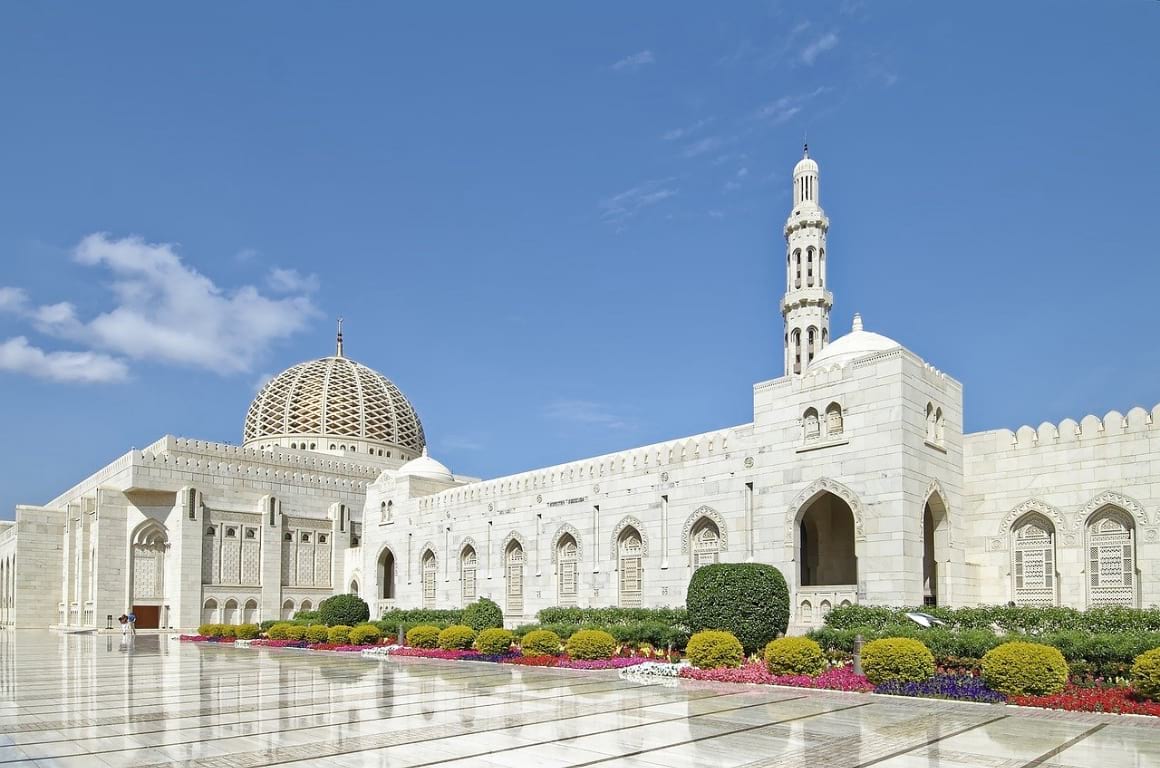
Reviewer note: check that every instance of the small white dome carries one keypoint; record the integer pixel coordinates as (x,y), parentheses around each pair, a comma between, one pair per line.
(426,467)
(806,164)
(855,344)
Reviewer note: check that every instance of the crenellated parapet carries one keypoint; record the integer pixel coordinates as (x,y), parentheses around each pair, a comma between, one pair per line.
(635,461)
(1137,421)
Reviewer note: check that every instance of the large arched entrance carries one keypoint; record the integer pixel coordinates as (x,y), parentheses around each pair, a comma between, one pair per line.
(147,584)
(827,560)
(934,549)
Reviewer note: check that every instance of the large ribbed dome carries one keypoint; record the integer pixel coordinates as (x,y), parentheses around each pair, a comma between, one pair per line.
(330,399)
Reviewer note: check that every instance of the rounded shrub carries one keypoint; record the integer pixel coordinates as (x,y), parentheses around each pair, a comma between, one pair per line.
(317,633)
(339,634)
(207,630)
(794,656)
(226,630)
(483,614)
(365,634)
(749,600)
(713,649)
(494,641)
(457,637)
(246,631)
(540,642)
(423,636)
(1146,674)
(296,632)
(897,660)
(343,609)
(591,644)
(278,631)
(1020,669)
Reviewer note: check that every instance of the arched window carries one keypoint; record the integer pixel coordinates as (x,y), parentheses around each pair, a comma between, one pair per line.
(1033,561)
(797,257)
(797,350)
(306,606)
(812,343)
(706,543)
(209,612)
(810,425)
(250,612)
(930,422)
(468,566)
(822,267)
(288,609)
(383,512)
(630,557)
(1111,558)
(833,419)
(938,426)
(429,572)
(810,266)
(514,570)
(568,570)
(231,614)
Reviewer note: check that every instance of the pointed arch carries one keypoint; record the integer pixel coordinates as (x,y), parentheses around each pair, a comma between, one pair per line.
(515,536)
(566,529)
(626,522)
(1111,499)
(808,495)
(1016,513)
(707,513)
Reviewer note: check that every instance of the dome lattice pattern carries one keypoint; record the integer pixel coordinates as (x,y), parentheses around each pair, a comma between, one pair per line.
(334,396)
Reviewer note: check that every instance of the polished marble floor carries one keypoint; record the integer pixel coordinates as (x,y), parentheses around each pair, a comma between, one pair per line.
(91,702)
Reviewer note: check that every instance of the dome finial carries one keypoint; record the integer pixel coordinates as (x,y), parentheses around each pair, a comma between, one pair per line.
(857,322)
(338,352)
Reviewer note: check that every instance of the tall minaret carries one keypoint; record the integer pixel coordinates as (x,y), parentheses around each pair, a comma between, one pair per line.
(806,304)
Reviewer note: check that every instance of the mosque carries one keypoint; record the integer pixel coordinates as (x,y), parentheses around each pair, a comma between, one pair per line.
(854,478)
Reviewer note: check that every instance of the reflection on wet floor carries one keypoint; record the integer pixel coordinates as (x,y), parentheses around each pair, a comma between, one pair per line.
(95,701)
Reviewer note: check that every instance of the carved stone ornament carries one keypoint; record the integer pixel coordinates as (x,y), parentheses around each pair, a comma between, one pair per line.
(664,477)
(625,522)
(749,462)
(1031,506)
(468,542)
(539,499)
(566,529)
(513,536)
(1112,499)
(708,513)
(807,496)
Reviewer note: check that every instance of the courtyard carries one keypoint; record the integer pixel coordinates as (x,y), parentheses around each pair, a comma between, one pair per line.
(91,701)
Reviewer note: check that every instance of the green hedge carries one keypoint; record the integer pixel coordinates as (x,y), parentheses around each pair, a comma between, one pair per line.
(1019,620)
(607,617)
(483,614)
(347,610)
(657,634)
(749,600)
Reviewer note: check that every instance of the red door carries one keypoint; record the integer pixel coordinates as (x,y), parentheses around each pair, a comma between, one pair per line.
(148,616)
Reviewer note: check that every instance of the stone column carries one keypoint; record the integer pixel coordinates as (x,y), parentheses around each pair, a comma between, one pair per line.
(111,552)
(270,574)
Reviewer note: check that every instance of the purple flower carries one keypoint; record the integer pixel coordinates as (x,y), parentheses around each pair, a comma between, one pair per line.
(957,687)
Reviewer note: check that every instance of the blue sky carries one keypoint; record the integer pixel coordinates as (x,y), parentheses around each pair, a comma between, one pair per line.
(558,230)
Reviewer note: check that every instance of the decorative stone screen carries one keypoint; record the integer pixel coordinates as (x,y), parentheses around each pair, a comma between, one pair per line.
(1033,562)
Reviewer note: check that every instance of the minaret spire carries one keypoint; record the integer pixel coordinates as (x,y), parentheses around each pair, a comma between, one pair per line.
(338,341)
(806,304)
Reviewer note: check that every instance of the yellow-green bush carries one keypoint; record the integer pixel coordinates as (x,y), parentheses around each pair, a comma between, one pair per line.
(591,644)
(713,649)
(339,634)
(209,630)
(540,642)
(1146,674)
(226,630)
(794,656)
(457,637)
(494,641)
(365,634)
(296,632)
(423,636)
(246,631)
(278,631)
(1021,669)
(317,633)
(897,659)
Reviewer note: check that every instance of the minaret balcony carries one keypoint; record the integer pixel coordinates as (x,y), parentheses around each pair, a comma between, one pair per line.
(804,219)
(805,297)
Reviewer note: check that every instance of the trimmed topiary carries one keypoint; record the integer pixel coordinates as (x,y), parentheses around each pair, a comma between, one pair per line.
(365,634)
(296,632)
(483,614)
(339,634)
(713,649)
(208,630)
(226,630)
(897,660)
(423,636)
(794,656)
(591,644)
(278,631)
(1021,669)
(246,631)
(1146,674)
(457,637)
(494,641)
(317,633)
(540,642)
(748,600)
(343,609)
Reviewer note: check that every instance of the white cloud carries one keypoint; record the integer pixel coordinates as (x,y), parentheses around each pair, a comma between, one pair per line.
(742,172)
(698,148)
(460,443)
(12,299)
(291,281)
(635,61)
(822,44)
(624,205)
(688,130)
(784,109)
(18,356)
(583,412)
(166,311)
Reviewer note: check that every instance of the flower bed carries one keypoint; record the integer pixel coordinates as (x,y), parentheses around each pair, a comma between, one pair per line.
(278,644)
(835,679)
(1074,698)
(943,686)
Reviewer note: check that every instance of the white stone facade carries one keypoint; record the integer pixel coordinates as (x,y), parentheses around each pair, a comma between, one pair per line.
(854,478)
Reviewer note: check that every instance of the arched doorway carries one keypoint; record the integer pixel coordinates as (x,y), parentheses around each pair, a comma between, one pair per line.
(147,584)
(288,609)
(250,612)
(386,577)
(209,612)
(231,612)
(826,543)
(630,556)
(934,548)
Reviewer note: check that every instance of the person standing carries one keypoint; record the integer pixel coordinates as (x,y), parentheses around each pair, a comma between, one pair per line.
(132,621)
(124,621)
